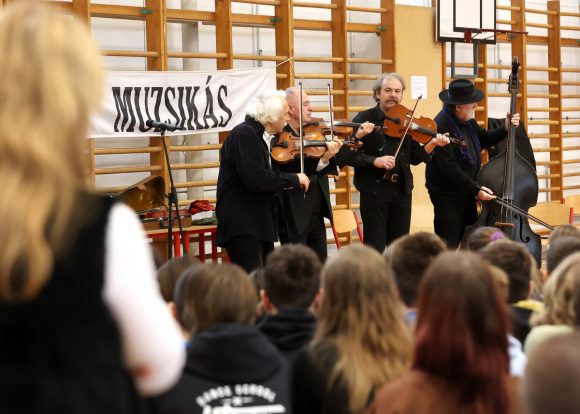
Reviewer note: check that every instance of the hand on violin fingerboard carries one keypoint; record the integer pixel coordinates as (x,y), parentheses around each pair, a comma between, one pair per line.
(332,147)
(515,120)
(365,129)
(386,161)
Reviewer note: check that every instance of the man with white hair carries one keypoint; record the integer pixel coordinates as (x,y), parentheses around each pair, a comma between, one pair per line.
(247,185)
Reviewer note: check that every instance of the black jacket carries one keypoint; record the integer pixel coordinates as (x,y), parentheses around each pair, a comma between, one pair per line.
(289,330)
(366,176)
(230,365)
(448,173)
(247,185)
(297,207)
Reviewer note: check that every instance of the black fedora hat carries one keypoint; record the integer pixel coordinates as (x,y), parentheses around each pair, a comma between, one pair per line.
(461,91)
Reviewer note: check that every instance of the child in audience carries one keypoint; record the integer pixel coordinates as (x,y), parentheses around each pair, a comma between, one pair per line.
(482,236)
(361,341)
(550,385)
(290,297)
(514,259)
(169,273)
(409,256)
(561,301)
(461,361)
(231,366)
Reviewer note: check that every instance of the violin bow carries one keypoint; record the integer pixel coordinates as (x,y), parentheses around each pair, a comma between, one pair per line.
(301,128)
(330,112)
(409,123)
(517,209)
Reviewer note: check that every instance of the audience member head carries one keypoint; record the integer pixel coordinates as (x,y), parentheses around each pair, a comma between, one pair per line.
(216,294)
(461,331)
(562,294)
(550,384)
(270,109)
(482,236)
(560,248)
(362,316)
(50,83)
(563,230)
(291,278)
(169,273)
(409,256)
(516,261)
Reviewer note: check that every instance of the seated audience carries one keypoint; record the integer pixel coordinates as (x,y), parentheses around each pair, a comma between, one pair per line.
(560,248)
(482,236)
(518,359)
(409,256)
(519,265)
(361,341)
(83,326)
(562,304)
(550,385)
(290,296)
(231,366)
(563,230)
(169,273)
(461,361)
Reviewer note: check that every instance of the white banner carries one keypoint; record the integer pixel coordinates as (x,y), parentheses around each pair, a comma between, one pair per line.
(200,102)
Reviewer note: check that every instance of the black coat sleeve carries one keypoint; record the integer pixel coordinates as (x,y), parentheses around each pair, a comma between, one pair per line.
(248,156)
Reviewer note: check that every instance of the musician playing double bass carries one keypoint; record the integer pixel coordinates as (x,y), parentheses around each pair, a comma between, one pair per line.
(302,214)
(385,199)
(451,174)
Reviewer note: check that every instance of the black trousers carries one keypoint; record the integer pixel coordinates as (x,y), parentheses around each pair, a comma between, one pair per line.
(314,237)
(248,252)
(386,215)
(452,215)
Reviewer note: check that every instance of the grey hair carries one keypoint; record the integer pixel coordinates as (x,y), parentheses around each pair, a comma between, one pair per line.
(267,107)
(386,76)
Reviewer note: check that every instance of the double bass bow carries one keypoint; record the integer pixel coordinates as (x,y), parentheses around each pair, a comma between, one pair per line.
(513,179)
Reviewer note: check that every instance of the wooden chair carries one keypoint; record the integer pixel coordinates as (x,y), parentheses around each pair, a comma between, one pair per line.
(345,222)
(555,214)
(574,202)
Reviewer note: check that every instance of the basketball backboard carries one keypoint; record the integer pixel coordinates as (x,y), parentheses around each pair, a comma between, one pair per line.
(466,20)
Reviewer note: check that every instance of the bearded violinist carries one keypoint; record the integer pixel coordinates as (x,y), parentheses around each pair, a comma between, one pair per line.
(452,172)
(247,185)
(385,183)
(302,214)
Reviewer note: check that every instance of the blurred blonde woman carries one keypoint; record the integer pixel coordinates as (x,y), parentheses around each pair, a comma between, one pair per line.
(562,304)
(361,341)
(76,275)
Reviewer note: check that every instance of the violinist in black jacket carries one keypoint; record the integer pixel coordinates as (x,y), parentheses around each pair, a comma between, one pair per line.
(385,201)
(302,214)
(451,174)
(246,190)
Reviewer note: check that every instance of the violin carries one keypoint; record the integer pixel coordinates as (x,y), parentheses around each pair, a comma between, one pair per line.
(422,129)
(287,147)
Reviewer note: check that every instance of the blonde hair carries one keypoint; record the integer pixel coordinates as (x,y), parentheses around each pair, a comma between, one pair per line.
(50,81)
(363,318)
(562,294)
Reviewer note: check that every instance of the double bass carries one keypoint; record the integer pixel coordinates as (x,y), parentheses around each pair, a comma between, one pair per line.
(515,183)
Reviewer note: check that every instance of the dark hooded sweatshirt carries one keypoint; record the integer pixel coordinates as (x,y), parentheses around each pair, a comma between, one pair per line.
(289,330)
(230,368)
